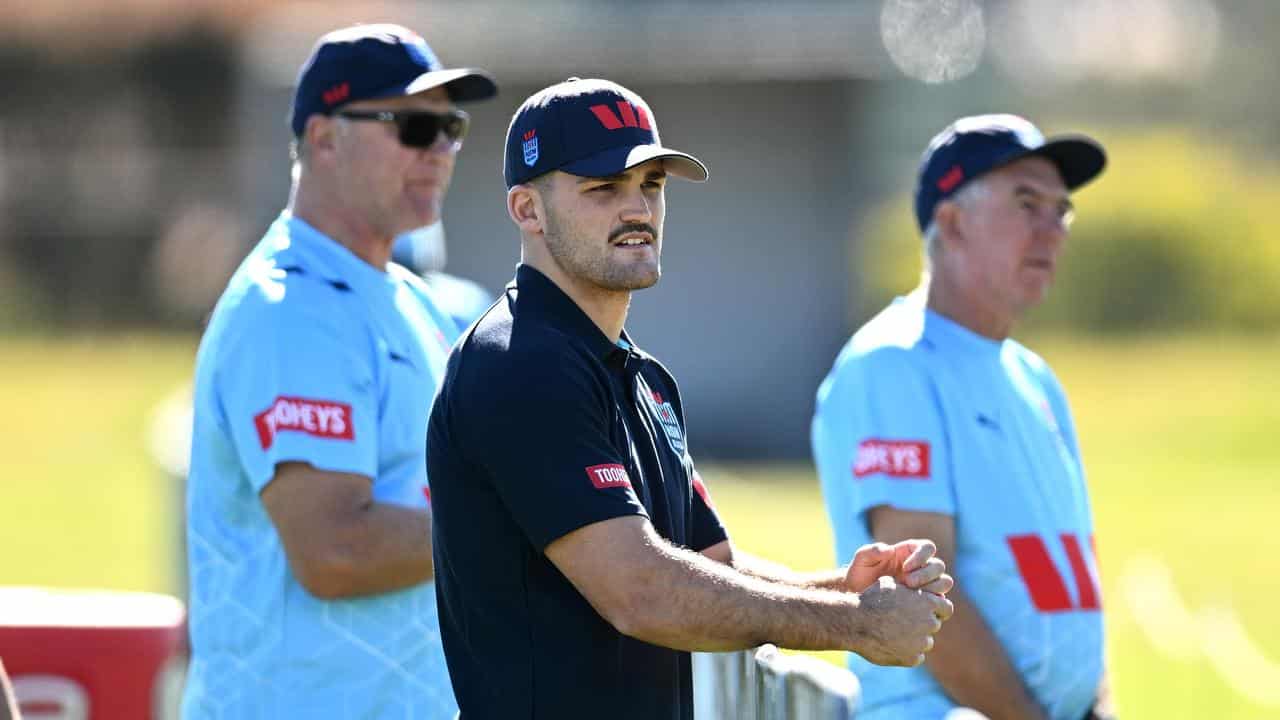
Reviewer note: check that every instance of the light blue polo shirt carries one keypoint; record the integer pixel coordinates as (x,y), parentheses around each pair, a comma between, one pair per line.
(311,355)
(920,413)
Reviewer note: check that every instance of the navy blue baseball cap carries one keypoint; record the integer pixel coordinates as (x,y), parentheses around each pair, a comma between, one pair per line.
(363,62)
(589,128)
(971,146)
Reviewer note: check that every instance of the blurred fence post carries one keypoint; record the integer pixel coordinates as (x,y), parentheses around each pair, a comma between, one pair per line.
(817,690)
(764,684)
(772,668)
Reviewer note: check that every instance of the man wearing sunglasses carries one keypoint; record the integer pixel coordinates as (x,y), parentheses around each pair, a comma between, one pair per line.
(309,521)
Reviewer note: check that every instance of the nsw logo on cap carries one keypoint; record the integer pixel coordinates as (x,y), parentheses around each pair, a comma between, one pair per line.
(530,147)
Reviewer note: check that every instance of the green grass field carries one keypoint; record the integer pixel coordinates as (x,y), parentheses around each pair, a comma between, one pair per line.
(1179,438)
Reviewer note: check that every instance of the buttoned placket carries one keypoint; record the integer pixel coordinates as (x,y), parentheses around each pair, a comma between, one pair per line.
(616,364)
(632,368)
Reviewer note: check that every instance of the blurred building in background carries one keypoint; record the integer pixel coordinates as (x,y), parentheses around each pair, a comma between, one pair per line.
(143,148)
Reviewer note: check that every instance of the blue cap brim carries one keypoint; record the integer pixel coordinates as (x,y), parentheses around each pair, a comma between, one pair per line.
(617,160)
(462,84)
(1079,158)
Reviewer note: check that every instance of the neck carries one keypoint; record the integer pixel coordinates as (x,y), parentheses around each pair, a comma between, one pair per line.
(323,211)
(606,308)
(966,308)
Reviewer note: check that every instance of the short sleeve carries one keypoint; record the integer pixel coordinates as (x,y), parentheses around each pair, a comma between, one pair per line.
(878,438)
(706,528)
(540,423)
(294,385)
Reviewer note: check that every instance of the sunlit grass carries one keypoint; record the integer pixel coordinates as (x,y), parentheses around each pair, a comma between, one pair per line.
(82,504)
(1179,438)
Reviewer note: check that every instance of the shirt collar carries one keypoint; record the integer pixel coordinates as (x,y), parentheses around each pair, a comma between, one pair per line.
(302,245)
(942,329)
(537,295)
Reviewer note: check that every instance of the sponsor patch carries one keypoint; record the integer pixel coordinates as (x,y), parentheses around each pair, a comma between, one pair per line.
(608,476)
(318,418)
(895,458)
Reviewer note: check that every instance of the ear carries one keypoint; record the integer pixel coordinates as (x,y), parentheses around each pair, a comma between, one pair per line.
(527,211)
(321,134)
(948,219)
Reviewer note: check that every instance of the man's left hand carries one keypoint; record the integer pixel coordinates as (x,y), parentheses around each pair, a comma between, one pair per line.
(911,562)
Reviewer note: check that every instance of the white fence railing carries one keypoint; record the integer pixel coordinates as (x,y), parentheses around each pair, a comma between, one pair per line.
(764,684)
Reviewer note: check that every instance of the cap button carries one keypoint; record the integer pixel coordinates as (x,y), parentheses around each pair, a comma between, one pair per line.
(573,79)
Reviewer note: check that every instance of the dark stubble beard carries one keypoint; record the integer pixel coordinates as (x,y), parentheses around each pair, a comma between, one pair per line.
(575,257)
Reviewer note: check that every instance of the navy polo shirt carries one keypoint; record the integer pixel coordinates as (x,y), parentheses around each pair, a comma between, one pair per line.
(543,426)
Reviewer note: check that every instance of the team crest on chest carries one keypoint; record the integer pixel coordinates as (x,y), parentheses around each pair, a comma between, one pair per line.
(666,416)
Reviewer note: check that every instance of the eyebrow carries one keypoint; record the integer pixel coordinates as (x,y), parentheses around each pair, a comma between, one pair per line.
(1024,189)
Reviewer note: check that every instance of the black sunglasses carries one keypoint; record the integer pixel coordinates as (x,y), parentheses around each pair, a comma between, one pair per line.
(418,128)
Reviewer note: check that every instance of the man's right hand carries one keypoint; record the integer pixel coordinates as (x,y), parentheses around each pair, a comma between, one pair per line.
(897,623)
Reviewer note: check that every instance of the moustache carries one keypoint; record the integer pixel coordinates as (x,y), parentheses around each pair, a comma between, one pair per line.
(634,228)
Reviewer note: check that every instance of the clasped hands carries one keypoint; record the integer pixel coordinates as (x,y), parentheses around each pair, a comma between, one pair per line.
(913,563)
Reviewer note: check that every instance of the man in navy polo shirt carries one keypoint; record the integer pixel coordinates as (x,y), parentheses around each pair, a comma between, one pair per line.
(578,555)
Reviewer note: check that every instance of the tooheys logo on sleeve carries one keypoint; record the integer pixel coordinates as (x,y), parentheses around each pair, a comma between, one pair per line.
(319,418)
(608,476)
(895,458)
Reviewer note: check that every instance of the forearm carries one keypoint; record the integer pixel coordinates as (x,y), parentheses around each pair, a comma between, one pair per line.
(685,601)
(649,589)
(384,547)
(770,571)
(974,669)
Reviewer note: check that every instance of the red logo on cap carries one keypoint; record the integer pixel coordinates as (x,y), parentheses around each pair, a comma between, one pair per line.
(336,94)
(529,135)
(947,182)
(632,116)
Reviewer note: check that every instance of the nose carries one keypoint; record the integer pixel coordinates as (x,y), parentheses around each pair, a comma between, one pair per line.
(636,207)
(1050,223)
(443,145)
(1050,237)
(1055,228)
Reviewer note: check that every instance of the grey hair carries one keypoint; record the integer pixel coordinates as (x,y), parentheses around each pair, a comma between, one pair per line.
(299,151)
(970,193)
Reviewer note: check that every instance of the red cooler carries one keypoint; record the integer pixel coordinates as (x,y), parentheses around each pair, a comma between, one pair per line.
(92,655)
